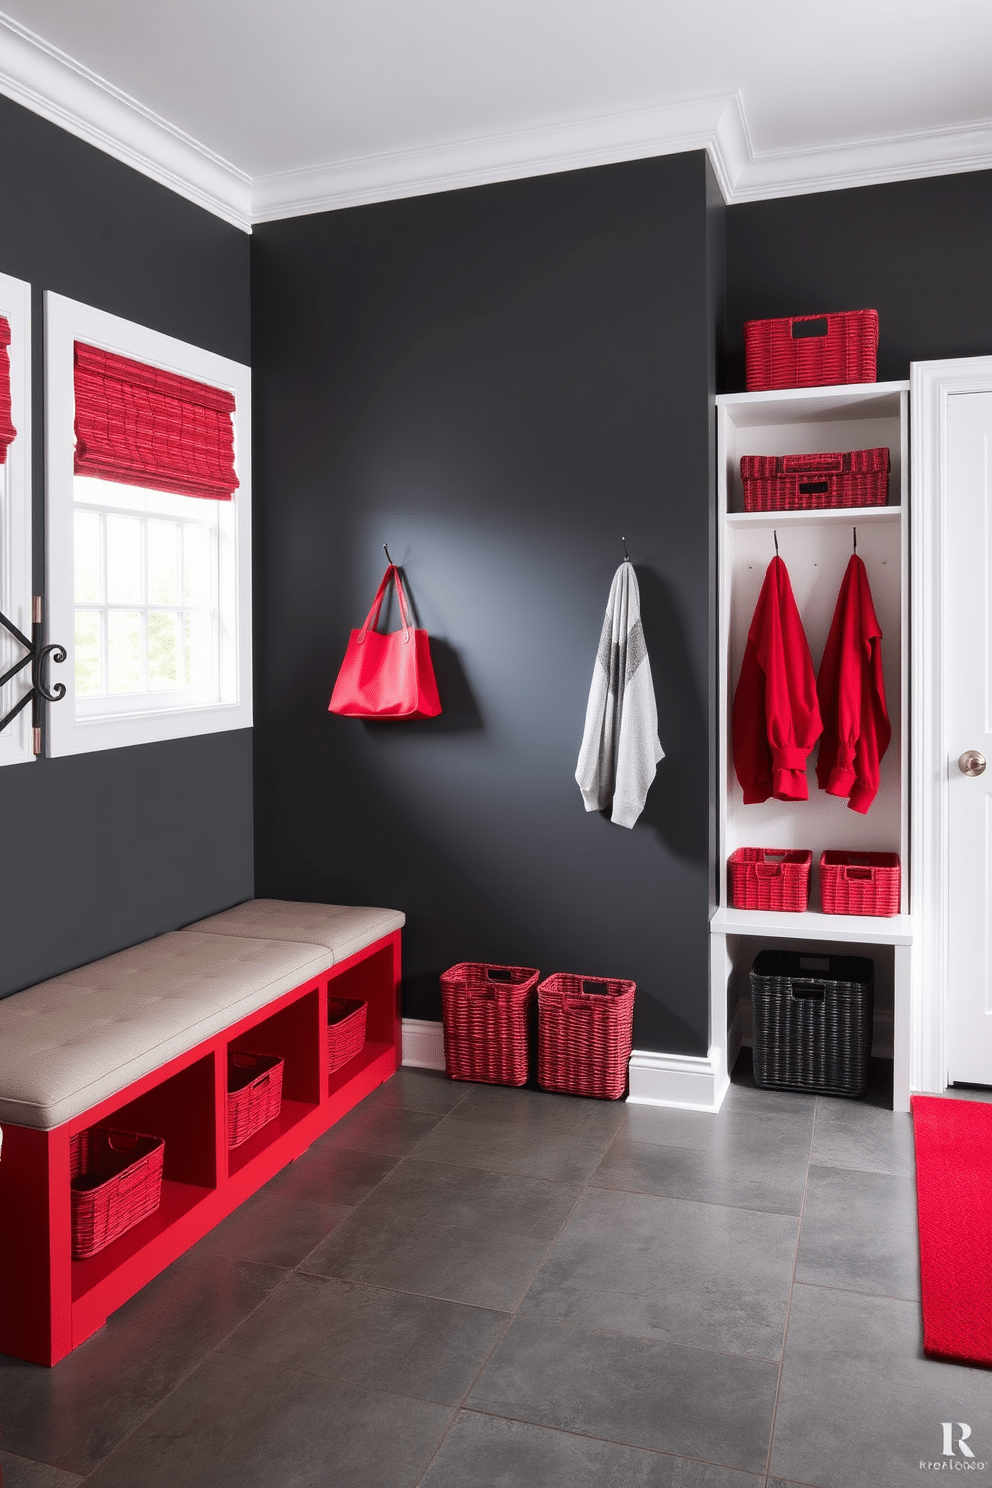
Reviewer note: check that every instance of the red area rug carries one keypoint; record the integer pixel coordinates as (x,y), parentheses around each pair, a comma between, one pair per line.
(954,1201)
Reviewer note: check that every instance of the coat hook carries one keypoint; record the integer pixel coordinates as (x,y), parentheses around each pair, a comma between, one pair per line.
(388,559)
(626,555)
(775,536)
(855,531)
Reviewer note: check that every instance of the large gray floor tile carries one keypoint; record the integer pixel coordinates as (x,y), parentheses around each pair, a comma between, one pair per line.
(487,1452)
(72,1415)
(701,1274)
(849,1134)
(391,1130)
(750,1160)
(240,1424)
(274,1230)
(21,1472)
(371,1338)
(533,1133)
(635,1391)
(859,1406)
(465,1235)
(332,1174)
(859,1230)
(418,1090)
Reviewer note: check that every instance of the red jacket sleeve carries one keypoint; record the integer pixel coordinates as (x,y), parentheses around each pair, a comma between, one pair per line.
(776,717)
(851,689)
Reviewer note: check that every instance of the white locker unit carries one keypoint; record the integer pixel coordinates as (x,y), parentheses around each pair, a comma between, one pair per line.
(815,546)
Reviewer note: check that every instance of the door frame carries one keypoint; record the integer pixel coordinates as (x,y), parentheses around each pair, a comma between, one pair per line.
(932,384)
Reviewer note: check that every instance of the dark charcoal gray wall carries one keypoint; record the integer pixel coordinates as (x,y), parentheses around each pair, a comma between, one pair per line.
(500,383)
(102,850)
(918,252)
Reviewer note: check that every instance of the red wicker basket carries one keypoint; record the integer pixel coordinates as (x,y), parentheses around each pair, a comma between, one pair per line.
(486,1012)
(254,1093)
(769,878)
(811,350)
(860,883)
(345,1030)
(586,1027)
(807,482)
(116,1182)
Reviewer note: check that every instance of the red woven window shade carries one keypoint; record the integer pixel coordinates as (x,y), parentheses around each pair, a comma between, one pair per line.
(144,427)
(7,431)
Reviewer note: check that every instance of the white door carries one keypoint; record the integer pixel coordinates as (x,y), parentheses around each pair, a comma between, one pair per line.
(968,702)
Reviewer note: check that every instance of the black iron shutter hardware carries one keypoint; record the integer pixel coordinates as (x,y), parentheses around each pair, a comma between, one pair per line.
(37,654)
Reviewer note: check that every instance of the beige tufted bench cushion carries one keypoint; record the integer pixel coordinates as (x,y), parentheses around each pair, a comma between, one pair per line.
(70,1042)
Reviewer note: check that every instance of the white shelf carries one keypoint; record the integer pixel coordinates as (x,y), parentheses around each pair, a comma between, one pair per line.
(845,516)
(812,925)
(814,405)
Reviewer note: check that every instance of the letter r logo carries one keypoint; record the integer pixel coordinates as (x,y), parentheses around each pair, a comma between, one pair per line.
(964,1432)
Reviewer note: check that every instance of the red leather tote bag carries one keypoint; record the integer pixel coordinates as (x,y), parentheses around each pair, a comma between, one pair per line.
(387,676)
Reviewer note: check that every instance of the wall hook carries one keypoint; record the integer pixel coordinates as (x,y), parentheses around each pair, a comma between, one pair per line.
(388,559)
(626,555)
(855,531)
(37,655)
(775,536)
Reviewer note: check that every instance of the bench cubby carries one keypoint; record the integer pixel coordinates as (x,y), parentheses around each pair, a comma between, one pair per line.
(53,1303)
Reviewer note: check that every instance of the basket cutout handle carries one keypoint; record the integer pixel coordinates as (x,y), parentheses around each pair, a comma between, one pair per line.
(768,870)
(809,991)
(122,1141)
(499,974)
(813,488)
(803,328)
(857,873)
(262,1080)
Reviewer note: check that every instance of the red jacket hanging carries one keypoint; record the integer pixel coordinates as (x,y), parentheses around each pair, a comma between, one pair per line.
(776,716)
(851,688)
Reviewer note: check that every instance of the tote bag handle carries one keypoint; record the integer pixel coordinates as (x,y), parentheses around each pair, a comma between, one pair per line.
(392,574)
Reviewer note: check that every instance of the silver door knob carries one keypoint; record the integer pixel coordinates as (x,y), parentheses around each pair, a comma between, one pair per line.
(971,762)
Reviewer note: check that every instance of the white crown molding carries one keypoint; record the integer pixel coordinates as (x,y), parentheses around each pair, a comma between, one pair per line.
(865,162)
(714,124)
(54,85)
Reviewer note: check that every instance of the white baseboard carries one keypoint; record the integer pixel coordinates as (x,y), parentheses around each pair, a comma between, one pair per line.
(423,1044)
(691,1083)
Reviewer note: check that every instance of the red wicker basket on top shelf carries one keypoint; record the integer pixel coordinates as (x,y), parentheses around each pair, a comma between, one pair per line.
(486,1011)
(585,1033)
(865,883)
(796,351)
(769,878)
(115,1183)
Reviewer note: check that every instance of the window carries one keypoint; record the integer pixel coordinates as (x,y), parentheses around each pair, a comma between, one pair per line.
(149,587)
(15,521)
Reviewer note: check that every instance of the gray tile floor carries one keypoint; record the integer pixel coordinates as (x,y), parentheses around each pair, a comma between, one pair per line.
(470,1287)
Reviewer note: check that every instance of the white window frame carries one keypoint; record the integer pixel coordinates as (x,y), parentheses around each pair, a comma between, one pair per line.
(67,321)
(15,519)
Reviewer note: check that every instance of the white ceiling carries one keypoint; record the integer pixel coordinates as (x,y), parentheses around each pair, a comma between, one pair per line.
(260,109)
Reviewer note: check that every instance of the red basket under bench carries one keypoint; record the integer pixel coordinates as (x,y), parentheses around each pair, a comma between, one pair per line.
(115,1183)
(585,1032)
(769,878)
(811,350)
(254,1094)
(486,1011)
(345,1030)
(808,482)
(855,883)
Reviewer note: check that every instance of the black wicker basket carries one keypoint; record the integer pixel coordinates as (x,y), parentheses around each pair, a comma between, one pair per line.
(812,1022)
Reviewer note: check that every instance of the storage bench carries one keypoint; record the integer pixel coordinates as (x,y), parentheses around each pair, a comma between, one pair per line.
(140,1040)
